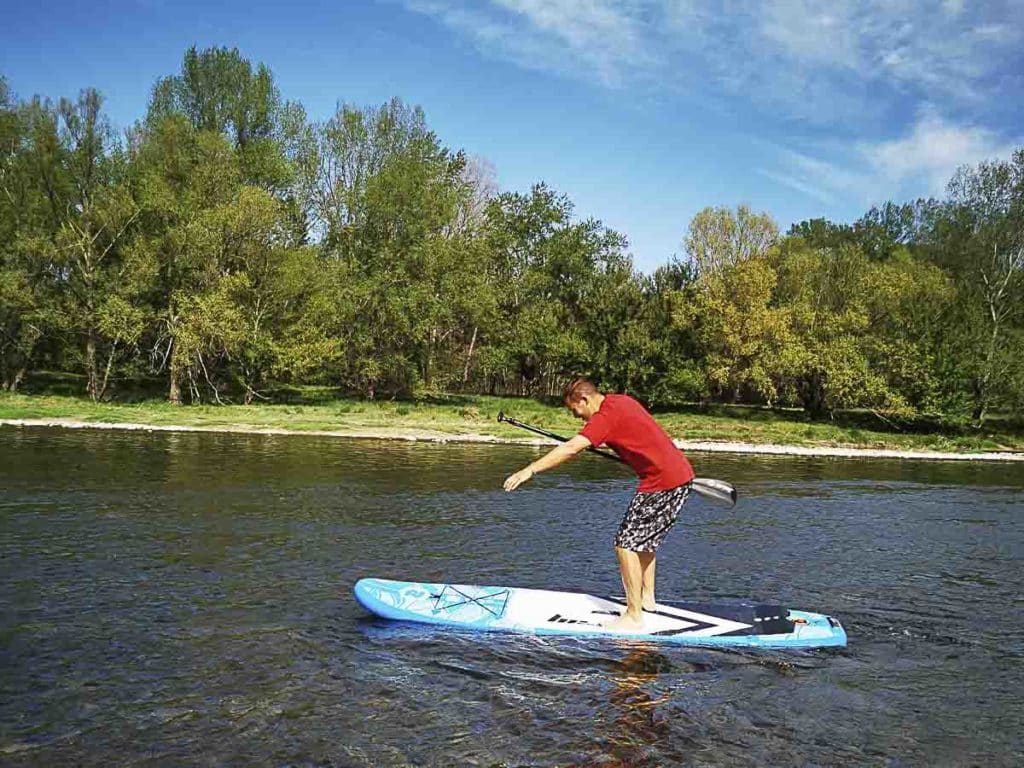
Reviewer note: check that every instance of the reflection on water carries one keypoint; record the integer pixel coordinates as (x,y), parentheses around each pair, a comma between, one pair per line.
(632,721)
(186,599)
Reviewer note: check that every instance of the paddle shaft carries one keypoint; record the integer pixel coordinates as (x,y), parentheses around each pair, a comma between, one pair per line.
(553,436)
(712,489)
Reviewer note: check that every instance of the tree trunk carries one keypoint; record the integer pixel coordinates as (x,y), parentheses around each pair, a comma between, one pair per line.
(174,394)
(93,385)
(980,409)
(16,381)
(469,356)
(812,395)
(109,367)
(983,385)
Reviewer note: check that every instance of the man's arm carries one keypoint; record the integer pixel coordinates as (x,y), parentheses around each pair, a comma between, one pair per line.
(552,458)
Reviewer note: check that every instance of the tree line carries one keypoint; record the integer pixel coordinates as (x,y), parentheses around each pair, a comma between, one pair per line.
(226,244)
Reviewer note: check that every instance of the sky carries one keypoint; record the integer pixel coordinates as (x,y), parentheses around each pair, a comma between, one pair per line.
(642,112)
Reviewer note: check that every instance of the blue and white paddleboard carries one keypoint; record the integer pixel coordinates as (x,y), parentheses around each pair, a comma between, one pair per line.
(542,612)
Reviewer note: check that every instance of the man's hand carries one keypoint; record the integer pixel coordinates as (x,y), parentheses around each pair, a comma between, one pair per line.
(514,481)
(552,458)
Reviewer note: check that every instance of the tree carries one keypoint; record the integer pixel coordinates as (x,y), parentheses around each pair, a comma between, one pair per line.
(69,212)
(822,233)
(388,204)
(182,174)
(219,91)
(908,302)
(826,293)
(742,334)
(678,375)
(553,276)
(739,331)
(104,275)
(978,234)
(480,177)
(263,273)
(882,232)
(718,237)
(21,206)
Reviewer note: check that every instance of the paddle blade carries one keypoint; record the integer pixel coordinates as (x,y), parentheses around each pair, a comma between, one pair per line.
(716,490)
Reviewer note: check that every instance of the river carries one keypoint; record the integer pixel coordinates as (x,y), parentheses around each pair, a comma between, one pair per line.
(185,599)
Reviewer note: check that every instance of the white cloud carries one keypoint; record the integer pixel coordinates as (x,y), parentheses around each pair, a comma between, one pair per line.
(997,33)
(800,184)
(931,152)
(819,62)
(826,180)
(813,32)
(601,40)
(919,163)
(581,25)
(827,173)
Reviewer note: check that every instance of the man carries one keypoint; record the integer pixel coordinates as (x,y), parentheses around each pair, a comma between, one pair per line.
(665,481)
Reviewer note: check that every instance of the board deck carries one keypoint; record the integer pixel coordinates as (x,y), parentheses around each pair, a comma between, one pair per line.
(544,612)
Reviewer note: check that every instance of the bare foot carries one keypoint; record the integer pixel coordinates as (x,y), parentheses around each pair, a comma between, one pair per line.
(625,623)
(650,606)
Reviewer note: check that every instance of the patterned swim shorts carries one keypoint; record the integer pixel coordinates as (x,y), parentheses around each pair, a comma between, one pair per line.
(649,518)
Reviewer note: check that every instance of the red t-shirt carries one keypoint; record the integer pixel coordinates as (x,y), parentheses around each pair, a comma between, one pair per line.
(628,429)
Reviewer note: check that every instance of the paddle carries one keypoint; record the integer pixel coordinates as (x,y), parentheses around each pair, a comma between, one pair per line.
(718,490)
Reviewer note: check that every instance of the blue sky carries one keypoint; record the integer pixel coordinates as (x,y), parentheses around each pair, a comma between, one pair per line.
(642,111)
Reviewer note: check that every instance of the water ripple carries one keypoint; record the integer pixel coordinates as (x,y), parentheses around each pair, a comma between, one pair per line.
(186,599)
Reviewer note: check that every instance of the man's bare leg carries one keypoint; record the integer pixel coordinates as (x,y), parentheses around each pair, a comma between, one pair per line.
(647,565)
(632,580)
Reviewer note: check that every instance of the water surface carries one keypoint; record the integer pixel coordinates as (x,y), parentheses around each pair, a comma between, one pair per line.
(185,599)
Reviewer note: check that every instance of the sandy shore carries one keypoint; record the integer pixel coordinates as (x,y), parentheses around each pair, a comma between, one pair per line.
(414,435)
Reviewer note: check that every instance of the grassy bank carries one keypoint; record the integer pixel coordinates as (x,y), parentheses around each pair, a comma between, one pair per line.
(468,414)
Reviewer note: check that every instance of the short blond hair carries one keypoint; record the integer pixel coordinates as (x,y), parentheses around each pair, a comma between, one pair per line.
(577,389)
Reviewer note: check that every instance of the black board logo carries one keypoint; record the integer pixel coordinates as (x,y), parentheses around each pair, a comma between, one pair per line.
(560,619)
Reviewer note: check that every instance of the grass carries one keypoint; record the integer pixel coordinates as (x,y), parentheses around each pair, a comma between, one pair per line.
(322,409)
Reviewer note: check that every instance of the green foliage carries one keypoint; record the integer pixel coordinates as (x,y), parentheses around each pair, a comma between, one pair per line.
(220,92)
(230,249)
(828,293)
(719,238)
(978,235)
(389,205)
(908,299)
(742,334)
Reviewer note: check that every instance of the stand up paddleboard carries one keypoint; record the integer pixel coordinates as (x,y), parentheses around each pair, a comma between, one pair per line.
(541,612)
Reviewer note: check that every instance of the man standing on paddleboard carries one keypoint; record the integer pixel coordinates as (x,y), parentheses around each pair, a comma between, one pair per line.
(665,481)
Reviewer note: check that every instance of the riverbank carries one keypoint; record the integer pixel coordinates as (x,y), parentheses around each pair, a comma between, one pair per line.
(440,437)
(473,420)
